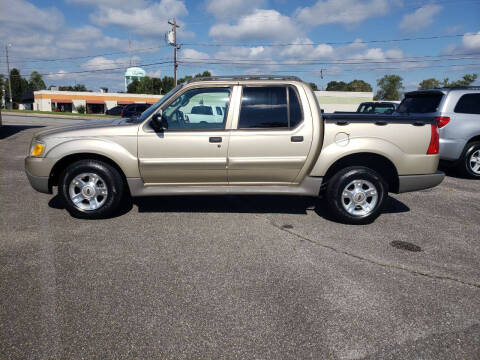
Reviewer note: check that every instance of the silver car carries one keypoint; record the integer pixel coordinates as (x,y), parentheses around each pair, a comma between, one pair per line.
(457,111)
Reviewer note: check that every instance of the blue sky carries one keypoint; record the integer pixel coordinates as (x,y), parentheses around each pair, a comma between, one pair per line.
(92,41)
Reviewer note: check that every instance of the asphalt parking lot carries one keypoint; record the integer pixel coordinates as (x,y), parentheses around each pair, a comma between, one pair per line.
(235,277)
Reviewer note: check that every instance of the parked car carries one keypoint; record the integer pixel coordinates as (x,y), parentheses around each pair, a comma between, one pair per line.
(116,110)
(208,113)
(377,107)
(133,110)
(457,111)
(273,140)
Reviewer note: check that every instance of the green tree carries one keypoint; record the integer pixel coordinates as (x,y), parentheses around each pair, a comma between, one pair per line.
(189,77)
(359,85)
(390,87)
(336,86)
(429,84)
(157,86)
(36,82)
(132,87)
(466,80)
(314,86)
(145,86)
(19,86)
(167,84)
(76,87)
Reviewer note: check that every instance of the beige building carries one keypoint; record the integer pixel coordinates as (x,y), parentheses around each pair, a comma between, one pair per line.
(331,101)
(94,102)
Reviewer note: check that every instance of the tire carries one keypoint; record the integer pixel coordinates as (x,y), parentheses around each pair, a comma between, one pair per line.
(468,166)
(91,189)
(361,190)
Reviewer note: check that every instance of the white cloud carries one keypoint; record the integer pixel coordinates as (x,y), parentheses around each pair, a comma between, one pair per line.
(61,74)
(345,12)
(148,20)
(471,41)
(192,54)
(470,45)
(245,53)
(16,13)
(155,73)
(42,33)
(307,51)
(102,63)
(259,25)
(232,8)
(124,4)
(420,18)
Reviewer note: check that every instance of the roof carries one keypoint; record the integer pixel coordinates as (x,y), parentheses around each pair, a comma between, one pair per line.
(243,78)
(445,89)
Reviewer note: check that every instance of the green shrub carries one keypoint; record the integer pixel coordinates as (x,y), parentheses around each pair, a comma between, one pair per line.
(80,109)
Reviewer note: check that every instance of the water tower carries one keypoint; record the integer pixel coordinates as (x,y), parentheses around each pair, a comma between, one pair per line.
(133,73)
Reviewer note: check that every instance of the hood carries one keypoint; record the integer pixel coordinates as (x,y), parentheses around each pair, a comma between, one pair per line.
(80,127)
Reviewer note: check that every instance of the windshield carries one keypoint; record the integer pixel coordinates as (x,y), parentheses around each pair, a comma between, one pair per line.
(420,103)
(159,103)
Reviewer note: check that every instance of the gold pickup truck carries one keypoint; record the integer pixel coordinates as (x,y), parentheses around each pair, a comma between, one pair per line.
(271,138)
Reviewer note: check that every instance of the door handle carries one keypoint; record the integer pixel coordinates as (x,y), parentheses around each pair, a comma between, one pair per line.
(381,123)
(215,139)
(296,139)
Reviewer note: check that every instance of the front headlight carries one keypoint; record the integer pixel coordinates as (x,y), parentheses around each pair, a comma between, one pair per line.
(37,148)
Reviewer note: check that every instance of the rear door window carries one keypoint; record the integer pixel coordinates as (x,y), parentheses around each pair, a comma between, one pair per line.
(269,107)
(420,103)
(468,104)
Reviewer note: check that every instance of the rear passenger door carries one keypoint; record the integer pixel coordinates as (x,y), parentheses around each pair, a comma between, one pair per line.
(467,116)
(270,141)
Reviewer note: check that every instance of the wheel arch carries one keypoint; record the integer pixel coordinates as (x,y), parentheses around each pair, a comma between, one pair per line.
(376,162)
(473,139)
(62,164)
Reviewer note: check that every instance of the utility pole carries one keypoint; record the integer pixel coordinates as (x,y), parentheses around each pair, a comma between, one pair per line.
(175,48)
(9,77)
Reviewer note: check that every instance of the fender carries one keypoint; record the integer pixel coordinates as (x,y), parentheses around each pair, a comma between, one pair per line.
(125,159)
(404,163)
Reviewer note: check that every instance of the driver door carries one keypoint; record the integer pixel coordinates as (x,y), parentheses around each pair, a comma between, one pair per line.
(188,152)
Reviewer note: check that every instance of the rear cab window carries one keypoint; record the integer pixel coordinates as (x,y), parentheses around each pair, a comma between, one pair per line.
(267,107)
(421,102)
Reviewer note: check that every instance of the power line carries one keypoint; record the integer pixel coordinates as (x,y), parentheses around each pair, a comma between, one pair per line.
(95,70)
(332,43)
(89,56)
(311,62)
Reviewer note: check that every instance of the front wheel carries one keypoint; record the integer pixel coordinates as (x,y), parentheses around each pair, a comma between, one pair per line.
(91,189)
(356,195)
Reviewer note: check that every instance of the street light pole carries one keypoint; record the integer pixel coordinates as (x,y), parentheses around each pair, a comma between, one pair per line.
(9,77)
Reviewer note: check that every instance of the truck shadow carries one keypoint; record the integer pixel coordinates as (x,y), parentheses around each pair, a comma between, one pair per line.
(259,204)
(10,130)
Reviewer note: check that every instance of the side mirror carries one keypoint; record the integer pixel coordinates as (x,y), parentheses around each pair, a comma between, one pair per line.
(158,122)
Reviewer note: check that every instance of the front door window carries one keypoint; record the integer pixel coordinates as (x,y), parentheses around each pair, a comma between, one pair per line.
(196,109)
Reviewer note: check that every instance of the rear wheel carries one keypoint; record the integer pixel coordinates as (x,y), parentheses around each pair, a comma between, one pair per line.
(470,163)
(356,195)
(91,189)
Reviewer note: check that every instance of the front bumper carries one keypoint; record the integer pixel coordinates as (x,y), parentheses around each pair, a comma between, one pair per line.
(38,173)
(419,182)
(39,183)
